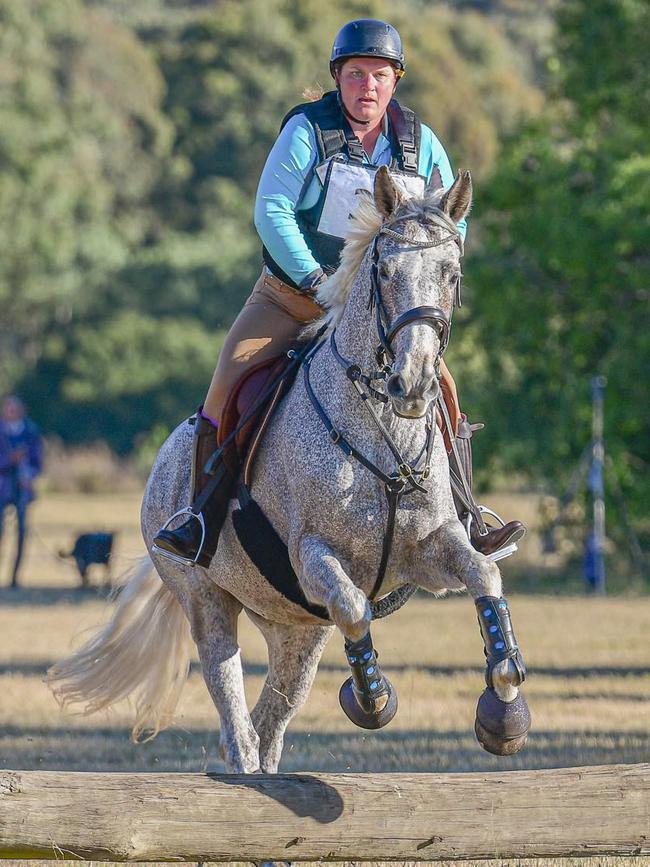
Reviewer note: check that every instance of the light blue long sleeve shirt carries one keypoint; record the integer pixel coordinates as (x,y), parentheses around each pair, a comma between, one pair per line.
(288,184)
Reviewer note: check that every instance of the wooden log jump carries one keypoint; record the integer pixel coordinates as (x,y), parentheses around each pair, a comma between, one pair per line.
(335,817)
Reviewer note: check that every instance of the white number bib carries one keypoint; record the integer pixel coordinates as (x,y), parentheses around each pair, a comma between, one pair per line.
(342,181)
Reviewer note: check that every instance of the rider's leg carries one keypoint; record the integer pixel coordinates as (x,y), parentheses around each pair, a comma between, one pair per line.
(269,322)
(486,539)
(267,325)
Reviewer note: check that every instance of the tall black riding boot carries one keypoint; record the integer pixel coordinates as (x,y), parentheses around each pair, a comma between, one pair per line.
(189,543)
(494,542)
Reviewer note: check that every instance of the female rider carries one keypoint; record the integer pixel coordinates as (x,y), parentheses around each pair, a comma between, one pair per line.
(325,149)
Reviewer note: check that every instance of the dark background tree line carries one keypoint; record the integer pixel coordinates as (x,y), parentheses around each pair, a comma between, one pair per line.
(131,141)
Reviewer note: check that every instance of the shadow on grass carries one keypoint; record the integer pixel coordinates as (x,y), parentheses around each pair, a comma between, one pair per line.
(25,597)
(109,749)
(38,668)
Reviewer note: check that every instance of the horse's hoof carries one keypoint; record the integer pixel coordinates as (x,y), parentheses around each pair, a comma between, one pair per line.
(501,726)
(376,714)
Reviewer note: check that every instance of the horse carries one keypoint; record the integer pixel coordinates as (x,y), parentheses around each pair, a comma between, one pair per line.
(333,476)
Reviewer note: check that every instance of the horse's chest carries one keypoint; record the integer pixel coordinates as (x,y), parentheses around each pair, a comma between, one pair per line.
(351,510)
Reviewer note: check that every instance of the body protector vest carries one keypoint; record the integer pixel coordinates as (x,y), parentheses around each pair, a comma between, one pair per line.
(342,172)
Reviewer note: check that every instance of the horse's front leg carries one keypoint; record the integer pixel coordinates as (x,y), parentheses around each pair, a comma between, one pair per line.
(367,697)
(502,715)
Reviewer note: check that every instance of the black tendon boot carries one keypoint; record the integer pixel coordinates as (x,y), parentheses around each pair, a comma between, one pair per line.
(495,542)
(195,540)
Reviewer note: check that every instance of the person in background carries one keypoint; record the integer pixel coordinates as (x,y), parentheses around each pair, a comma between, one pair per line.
(21,459)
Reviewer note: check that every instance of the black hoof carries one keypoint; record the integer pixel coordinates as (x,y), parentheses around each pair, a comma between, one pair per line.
(377,712)
(501,726)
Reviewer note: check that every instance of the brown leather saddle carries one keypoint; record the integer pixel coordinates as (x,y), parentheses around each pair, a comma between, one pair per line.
(246,393)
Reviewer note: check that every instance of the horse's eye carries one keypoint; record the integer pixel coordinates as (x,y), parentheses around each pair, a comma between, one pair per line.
(383,273)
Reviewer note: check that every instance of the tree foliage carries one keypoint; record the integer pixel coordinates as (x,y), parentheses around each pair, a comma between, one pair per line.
(561,288)
(131,140)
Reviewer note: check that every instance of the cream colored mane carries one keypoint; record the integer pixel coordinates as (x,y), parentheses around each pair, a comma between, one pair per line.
(364,226)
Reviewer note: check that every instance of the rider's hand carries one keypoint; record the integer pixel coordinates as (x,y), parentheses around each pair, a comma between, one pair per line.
(309,286)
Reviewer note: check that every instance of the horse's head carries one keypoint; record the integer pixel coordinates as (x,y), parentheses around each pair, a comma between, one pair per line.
(415,283)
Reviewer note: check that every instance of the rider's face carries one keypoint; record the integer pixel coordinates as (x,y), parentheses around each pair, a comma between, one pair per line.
(367,86)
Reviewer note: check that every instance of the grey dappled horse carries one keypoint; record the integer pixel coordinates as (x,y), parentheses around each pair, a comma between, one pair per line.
(331,511)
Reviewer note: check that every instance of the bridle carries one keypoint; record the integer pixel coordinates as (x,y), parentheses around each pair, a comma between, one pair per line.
(410,475)
(435,317)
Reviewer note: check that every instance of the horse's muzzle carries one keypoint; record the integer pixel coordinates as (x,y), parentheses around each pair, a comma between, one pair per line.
(410,402)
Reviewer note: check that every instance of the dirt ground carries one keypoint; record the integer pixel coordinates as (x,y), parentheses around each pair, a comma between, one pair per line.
(588,687)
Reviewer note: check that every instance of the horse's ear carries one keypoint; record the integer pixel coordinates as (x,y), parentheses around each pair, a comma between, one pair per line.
(387,196)
(457,201)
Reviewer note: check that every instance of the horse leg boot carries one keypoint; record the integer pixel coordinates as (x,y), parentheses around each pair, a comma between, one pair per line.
(194,541)
(367,697)
(501,726)
(502,716)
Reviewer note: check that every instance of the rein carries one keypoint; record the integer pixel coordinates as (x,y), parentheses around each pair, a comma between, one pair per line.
(409,476)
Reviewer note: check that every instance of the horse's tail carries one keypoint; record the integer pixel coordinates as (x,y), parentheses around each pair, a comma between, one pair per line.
(143,652)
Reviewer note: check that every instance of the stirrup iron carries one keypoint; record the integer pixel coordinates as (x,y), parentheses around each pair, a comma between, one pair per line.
(184,561)
(502,553)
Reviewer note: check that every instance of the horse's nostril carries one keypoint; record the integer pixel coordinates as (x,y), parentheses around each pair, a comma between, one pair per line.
(395,386)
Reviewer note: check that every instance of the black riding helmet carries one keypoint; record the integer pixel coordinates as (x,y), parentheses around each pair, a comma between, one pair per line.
(367,37)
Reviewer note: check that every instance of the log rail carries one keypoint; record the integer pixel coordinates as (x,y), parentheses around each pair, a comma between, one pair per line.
(335,817)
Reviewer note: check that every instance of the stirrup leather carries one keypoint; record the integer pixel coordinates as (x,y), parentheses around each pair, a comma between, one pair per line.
(501,553)
(184,561)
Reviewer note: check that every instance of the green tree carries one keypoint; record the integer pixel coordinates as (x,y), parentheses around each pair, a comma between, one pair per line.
(79,150)
(560,291)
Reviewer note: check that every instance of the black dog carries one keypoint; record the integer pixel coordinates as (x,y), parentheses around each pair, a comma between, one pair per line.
(92,548)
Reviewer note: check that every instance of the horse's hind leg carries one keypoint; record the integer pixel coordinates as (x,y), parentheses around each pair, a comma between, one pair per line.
(213,615)
(502,715)
(294,653)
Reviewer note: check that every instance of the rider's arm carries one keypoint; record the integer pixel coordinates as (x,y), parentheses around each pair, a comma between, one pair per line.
(287,169)
(432,155)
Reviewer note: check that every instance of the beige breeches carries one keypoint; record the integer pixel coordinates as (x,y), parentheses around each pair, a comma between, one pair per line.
(269,322)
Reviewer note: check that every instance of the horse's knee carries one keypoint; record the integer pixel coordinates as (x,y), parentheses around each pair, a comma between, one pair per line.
(483,577)
(350,610)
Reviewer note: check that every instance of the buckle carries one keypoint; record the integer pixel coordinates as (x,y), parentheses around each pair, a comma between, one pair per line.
(409,157)
(169,555)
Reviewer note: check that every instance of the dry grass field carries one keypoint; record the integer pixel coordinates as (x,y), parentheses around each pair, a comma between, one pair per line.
(589,684)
